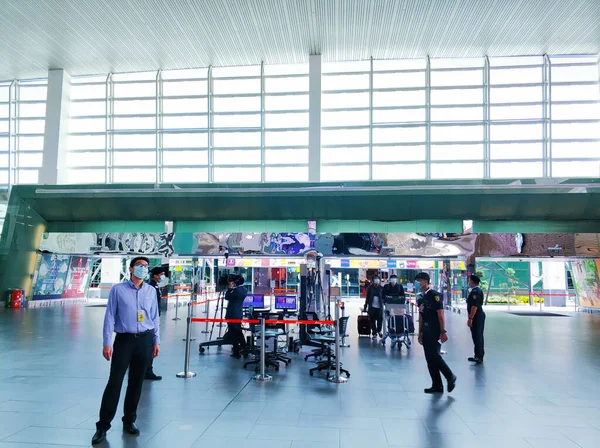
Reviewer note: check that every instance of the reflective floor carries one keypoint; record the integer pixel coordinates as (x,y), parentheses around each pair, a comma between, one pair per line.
(539,387)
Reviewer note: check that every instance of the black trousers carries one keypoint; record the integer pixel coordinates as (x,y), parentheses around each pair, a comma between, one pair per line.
(133,353)
(376,317)
(477,333)
(435,362)
(235,336)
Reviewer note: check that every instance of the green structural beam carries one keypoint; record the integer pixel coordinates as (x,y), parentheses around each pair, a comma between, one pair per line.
(106,226)
(536,226)
(418,226)
(240,226)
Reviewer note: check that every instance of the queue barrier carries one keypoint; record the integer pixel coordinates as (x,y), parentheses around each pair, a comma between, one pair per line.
(262,376)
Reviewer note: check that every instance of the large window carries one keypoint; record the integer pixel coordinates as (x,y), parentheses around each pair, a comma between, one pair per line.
(22,121)
(225,124)
(517,117)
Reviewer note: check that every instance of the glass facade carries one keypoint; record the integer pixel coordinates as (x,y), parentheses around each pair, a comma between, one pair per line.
(222,124)
(481,118)
(471,118)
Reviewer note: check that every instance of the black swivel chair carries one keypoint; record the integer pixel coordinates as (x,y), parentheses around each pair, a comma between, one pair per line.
(327,342)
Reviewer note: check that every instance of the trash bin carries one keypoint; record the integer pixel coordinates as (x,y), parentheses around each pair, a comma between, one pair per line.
(17,298)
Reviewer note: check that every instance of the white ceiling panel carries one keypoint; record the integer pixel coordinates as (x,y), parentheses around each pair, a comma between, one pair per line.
(100,36)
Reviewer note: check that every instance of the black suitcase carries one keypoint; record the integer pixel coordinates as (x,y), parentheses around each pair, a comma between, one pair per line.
(364,324)
(400,324)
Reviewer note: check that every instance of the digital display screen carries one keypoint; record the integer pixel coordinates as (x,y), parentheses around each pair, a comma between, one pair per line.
(255,301)
(285,302)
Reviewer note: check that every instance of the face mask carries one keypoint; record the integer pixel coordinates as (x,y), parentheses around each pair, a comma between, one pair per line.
(376,281)
(140,271)
(394,281)
(164,281)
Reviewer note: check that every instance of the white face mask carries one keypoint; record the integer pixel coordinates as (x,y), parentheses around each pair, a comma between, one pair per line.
(164,281)
(376,281)
(394,281)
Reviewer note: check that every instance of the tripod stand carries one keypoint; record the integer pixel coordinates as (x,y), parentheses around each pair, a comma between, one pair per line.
(219,341)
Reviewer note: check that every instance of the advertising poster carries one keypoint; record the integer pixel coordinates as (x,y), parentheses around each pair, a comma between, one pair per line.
(587,282)
(52,275)
(77,278)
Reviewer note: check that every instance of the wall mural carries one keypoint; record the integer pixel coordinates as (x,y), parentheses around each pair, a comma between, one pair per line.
(341,244)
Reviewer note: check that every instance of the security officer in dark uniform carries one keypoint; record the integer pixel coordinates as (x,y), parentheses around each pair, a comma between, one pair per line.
(431,331)
(476,318)
(235,296)
(157,281)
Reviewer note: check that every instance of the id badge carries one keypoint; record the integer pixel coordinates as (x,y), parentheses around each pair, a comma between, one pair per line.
(140,316)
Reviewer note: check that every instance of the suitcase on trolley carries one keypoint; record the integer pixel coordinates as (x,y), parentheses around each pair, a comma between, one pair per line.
(364,324)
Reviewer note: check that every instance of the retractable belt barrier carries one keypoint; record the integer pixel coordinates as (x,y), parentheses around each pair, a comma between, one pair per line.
(267,321)
(262,376)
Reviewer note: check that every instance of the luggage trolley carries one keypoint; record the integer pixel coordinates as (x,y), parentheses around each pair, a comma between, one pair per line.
(396,322)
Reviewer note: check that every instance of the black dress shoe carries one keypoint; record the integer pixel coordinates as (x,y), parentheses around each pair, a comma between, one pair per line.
(131,428)
(99,437)
(472,359)
(452,383)
(153,377)
(434,390)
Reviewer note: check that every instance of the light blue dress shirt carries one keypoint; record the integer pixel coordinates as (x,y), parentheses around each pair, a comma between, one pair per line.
(124,303)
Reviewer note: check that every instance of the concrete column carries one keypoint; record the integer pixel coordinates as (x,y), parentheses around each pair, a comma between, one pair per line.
(53,170)
(314,123)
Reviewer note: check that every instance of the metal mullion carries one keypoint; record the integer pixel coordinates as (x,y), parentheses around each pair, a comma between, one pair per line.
(210,117)
(158,87)
(486,118)
(545,117)
(147,81)
(285,148)
(235,78)
(235,95)
(133,98)
(182,114)
(184,131)
(575,102)
(523,121)
(289,111)
(303,128)
(294,93)
(347,109)
(184,97)
(16,130)
(289,76)
(135,116)
(370,119)
(169,81)
(229,113)
(31,101)
(577,140)
(235,130)
(110,126)
(252,165)
(366,72)
(89,100)
(428,118)
(262,123)
(345,91)
(517,86)
(11,89)
(579,120)
(190,165)
(549,99)
(576,83)
(458,69)
(84,84)
(398,71)
(515,67)
(236,148)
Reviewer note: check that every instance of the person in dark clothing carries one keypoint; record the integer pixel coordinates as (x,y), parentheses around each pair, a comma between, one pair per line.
(235,296)
(393,288)
(374,306)
(432,330)
(157,281)
(476,318)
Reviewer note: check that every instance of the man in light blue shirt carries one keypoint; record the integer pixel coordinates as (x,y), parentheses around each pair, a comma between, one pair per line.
(132,313)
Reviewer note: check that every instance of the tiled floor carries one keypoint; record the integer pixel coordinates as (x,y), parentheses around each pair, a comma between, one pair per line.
(538,388)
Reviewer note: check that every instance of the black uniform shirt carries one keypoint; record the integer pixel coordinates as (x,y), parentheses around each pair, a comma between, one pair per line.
(429,305)
(235,306)
(475,299)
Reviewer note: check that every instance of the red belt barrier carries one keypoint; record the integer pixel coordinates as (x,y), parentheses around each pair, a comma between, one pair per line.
(267,321)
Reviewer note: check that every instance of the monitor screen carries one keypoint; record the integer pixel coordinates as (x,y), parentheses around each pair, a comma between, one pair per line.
(255,301)
(285,302)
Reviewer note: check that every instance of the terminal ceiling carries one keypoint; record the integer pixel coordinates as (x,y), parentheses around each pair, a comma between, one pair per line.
(101,36)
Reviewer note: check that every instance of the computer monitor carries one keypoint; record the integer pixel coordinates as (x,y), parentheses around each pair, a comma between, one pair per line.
(285,302)
(256,301)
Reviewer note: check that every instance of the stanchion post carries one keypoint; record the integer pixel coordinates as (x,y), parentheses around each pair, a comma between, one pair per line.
(262,376)
(186,364)
(190,315)
(176,307)
(344,336)
(337,377)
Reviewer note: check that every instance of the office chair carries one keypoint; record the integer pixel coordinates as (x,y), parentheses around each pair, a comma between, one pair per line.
(327,342)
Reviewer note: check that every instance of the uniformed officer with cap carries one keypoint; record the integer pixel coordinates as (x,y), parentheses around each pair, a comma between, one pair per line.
(432,329)
(476,318)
